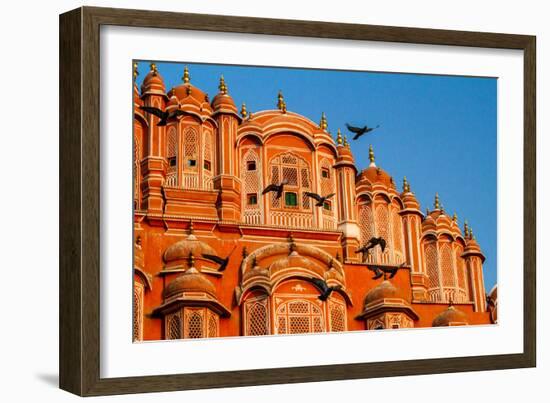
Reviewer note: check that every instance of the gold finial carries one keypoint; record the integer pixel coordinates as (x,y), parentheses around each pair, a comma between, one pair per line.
(406,186)
(136,72)
(455,217)
(280,101)
(437,205)
(244,113)
(190,228)
(154,69)
(222,87)
(472,236)
(284,107)
(371,154)
(346,144)
(323,124)
(339,137)
(189,90)
(427,211)
(466,229)
(191,260)
(186,77)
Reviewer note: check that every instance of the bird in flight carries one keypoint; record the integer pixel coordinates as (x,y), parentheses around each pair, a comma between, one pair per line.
(380,271)
(371,244)
(320,199)
(324,288)
(162,115)
(359,131)
(278,188)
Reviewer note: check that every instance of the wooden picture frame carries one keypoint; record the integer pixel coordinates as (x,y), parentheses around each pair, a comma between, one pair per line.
(80,199)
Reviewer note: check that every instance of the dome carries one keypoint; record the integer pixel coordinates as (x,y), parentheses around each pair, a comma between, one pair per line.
(153,82)
(409,200)
(190,281)
(189,92)
(473,248)
(376,176)
(190,245)
(382,291)
(223,102)
(449,317)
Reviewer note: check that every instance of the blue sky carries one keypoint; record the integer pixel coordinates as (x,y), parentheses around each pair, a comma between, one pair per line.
(438,131)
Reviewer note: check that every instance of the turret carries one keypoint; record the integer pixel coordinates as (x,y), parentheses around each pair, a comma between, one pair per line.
(153,165)
(474,266)
(347,215)
(227,178)
(412,219)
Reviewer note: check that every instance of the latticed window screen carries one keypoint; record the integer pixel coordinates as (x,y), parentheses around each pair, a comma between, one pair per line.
(173,326)
(382,225)
(299,316)
(207,146)
(447,265)
(366,222)
(397,231)
(190,148)
(297,174)
(212,324)
(257,318)
(430,252)
(194,323)
(172,156)
(138,311)
(337,317)
(327,184)
(251,179)
(460,269)
(137,169)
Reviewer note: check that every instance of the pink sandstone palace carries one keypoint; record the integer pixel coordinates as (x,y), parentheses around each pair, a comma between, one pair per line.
(198,183)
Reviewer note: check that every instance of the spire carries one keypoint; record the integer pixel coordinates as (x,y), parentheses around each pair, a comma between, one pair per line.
(136,72)
(466,229)
(281,101)
(472,236)
(244,112)
(371,156)
(339,137)
(190,227)
(323,124)
(437,205)
(186,77)
(346,144)
(222,87)
(455,217)
(154,69)
(406,186)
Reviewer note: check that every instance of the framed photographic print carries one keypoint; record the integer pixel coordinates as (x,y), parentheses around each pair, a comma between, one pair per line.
(249,201)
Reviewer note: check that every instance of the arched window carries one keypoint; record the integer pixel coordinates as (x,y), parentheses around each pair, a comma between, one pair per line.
(293,208)
(190,158)
(172,157)
(448,277)
(212,324)
(432,269)
(208,165)
(383,231)
(337,313)
(366,221)
(173,326)
(461,275)
(138,311)
(251,177)
(397,227)
(328,187)
(299,316)
(256,317)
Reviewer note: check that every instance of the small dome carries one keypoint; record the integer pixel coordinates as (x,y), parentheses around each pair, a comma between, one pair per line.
(450,316)
(188,90)
(382,291)
(190,281)
(345,154)
(409,200)
(190,245)
(374,175)
(153,82)
(473,248)
(224,102)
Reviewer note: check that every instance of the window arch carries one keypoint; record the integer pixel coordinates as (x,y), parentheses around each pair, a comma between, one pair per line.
(194,323)
(432,269)
(366,221)
(447,273)
(295,171)
(256,315)
(172,157)
(337,314)
(138,311)
(251,177)
(397,228)
(208,160)
(299,316)
(190,158)
(328,186)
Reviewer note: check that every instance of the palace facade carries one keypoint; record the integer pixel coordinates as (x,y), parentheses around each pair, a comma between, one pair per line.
(198,183)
